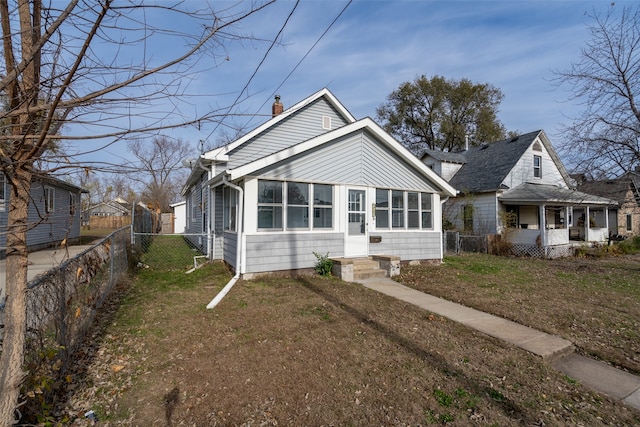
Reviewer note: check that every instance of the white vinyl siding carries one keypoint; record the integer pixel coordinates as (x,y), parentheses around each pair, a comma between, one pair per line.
(356,159)
(290,251)
(409,245)
(308,123)
(523,171)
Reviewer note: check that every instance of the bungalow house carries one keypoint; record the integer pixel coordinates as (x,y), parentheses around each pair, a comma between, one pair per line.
(313,179)
(519,188)
(54,213)
(624,220)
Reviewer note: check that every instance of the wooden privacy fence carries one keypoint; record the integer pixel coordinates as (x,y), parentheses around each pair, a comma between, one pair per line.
(107,222)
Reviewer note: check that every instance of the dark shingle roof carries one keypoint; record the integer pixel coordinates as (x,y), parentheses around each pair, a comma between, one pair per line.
(614,188)
(486,166)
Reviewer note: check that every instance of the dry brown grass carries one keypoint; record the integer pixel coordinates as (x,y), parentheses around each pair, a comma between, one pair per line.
(313,351)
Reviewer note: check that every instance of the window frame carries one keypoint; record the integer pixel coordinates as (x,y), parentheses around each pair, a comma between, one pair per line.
(194,206)
(292,207)
(537,168)
(72,203)
(629,222)
(274,205)
(467,217)
(204,203)
(321,207)
(426,210)
(3,192)
(49,199)
(229,209)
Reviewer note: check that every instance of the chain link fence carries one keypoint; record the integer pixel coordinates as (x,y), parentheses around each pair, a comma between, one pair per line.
(61,307)
(178,250)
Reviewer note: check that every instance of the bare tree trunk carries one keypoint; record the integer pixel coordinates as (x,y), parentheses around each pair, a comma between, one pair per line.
(12,358)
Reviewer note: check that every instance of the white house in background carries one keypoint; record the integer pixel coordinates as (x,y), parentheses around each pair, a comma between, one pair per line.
(520,180)
(314,179)
(179,216)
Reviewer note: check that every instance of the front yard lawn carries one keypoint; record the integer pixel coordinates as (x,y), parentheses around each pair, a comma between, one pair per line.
(314,351)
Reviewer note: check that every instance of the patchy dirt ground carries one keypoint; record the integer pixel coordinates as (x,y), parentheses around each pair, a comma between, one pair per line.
(321,352)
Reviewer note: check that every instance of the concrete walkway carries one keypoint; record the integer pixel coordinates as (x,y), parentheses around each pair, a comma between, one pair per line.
(557,351)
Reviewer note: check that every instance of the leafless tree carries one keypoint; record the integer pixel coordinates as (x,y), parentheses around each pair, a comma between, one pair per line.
(159,169)
(604,139)
(102,66)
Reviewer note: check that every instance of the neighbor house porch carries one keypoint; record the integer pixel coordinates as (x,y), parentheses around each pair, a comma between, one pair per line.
(550,221)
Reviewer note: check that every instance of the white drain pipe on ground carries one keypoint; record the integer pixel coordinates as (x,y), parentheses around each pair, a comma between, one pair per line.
(239,221)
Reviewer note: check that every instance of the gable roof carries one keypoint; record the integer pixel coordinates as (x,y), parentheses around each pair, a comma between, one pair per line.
(445,156)
(221,152)
(50,180)
(485,167)
(309,145)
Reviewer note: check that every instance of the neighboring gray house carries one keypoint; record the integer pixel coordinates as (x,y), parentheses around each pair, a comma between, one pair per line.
(54,213)
(116,207)
(313,179)
(519,188)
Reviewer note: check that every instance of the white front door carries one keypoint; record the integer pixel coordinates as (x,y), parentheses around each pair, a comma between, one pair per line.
(356,234)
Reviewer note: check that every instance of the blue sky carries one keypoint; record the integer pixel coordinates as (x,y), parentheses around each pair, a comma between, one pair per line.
(376,45)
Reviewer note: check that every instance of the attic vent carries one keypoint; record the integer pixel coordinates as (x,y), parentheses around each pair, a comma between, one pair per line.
(326,122)
(514,139)
(537,146)
(484,145)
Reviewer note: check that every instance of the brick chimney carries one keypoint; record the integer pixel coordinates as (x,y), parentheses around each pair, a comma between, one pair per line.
(277,107)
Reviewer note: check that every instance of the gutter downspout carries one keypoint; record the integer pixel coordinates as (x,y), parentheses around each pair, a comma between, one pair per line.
(443,200)
(235,278)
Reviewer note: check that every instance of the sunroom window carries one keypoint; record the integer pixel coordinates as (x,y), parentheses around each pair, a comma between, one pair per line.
(407,210)
(322,206)
(295,207)
(382,208)
(397,209)
(270,205)
(427,210)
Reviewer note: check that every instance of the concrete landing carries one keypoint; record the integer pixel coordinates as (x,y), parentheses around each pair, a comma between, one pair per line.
(553,349)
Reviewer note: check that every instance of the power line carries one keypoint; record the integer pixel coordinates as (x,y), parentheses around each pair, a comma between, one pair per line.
(264,57)
(289,74)
(305,56)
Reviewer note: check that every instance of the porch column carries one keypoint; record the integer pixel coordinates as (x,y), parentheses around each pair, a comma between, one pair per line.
(586,223)
(543,227)
(606,220)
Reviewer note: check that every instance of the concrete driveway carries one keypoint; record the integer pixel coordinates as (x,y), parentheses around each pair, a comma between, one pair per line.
(41,262)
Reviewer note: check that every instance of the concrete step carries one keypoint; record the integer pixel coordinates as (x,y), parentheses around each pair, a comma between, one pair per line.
(365,264)
(368,274)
